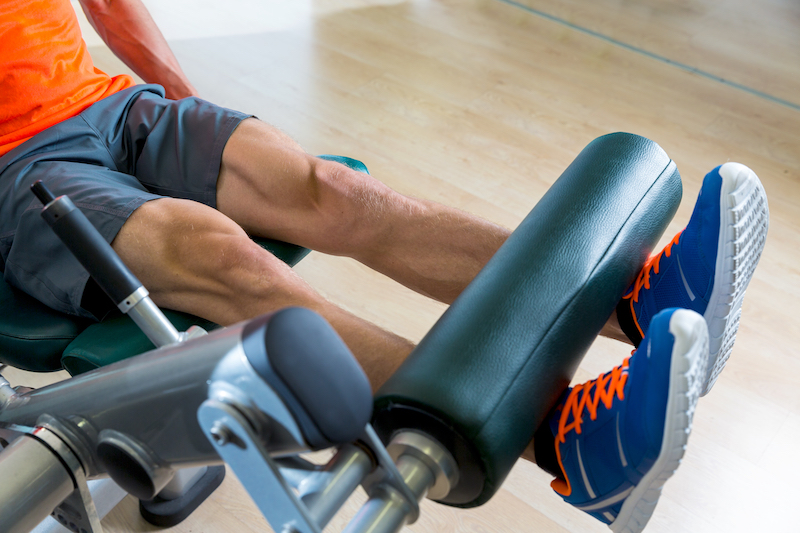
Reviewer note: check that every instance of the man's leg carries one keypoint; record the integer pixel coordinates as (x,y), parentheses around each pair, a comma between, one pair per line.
(431,248)
(272,188)
(194,259)
(199,260)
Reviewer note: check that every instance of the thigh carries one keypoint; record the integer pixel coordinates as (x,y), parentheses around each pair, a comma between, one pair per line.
(272,188)
(194,259)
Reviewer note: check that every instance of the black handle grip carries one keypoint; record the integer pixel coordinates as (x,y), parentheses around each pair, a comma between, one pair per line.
(87,245)
(42,192)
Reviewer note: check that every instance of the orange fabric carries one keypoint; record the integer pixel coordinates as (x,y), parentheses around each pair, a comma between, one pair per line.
(46,73)
(606,388)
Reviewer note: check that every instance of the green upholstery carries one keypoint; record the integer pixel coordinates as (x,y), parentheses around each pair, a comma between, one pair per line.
(33,336)
(488,372)
(36,338)
(98,344)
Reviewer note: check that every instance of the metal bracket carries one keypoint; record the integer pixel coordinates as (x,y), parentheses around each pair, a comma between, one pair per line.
(240,447)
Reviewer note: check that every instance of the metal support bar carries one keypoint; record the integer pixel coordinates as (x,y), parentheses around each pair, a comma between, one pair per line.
(387,511)
(78,510)
(388,474)
(34,482)
(424,466)
(149,318)
(324,492)
(294,495)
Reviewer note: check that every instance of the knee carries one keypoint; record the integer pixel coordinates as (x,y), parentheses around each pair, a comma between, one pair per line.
(357,211)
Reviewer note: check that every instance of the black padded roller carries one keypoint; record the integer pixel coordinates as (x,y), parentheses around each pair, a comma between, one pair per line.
(309,366)
(491,368)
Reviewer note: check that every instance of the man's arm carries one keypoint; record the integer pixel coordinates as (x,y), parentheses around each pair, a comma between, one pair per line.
(130,32)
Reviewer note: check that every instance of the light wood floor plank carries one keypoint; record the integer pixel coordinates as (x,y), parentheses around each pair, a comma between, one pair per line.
(756,47)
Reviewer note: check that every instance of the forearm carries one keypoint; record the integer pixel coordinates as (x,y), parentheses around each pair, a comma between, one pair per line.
(130,32)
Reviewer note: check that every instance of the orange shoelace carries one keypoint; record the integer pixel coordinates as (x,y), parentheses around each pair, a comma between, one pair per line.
(587,397)
(643,280)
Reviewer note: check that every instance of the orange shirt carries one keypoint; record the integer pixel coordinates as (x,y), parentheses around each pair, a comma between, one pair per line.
(46,73)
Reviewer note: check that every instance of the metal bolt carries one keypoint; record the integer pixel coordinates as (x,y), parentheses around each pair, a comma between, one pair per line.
(221,434)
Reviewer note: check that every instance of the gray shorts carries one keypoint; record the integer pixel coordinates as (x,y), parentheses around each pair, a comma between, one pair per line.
(126,149)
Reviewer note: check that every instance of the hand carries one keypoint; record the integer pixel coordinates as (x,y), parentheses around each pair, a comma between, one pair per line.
(178,88)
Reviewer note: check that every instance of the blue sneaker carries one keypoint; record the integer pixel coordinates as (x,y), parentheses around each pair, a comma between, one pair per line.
(620,437)
(708,265)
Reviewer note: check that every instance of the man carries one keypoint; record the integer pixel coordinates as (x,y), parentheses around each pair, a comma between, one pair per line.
(177,185)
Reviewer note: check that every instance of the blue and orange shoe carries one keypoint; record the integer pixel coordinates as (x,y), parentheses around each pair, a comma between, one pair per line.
(708,265)
(618,438)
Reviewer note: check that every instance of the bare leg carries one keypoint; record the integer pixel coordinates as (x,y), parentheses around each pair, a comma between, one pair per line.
(199,260)
(194,259)
(612,330)
(325,206)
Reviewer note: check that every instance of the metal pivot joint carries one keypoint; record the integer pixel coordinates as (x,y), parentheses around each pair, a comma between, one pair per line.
(241,448)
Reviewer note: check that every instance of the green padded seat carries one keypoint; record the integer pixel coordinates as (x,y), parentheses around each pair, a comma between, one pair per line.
(33,336)
(36,338)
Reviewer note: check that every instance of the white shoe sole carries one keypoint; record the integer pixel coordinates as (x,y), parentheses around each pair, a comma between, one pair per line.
(744,220)
(687,377)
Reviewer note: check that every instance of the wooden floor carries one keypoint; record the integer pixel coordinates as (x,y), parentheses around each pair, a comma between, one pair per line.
(482,104)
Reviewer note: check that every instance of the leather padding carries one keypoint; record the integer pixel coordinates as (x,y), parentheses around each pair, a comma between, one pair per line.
(485,376)
(32,336)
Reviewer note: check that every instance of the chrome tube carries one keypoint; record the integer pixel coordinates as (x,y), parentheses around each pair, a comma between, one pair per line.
(387,511)
(33,481)
(326,491)
(150,319)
